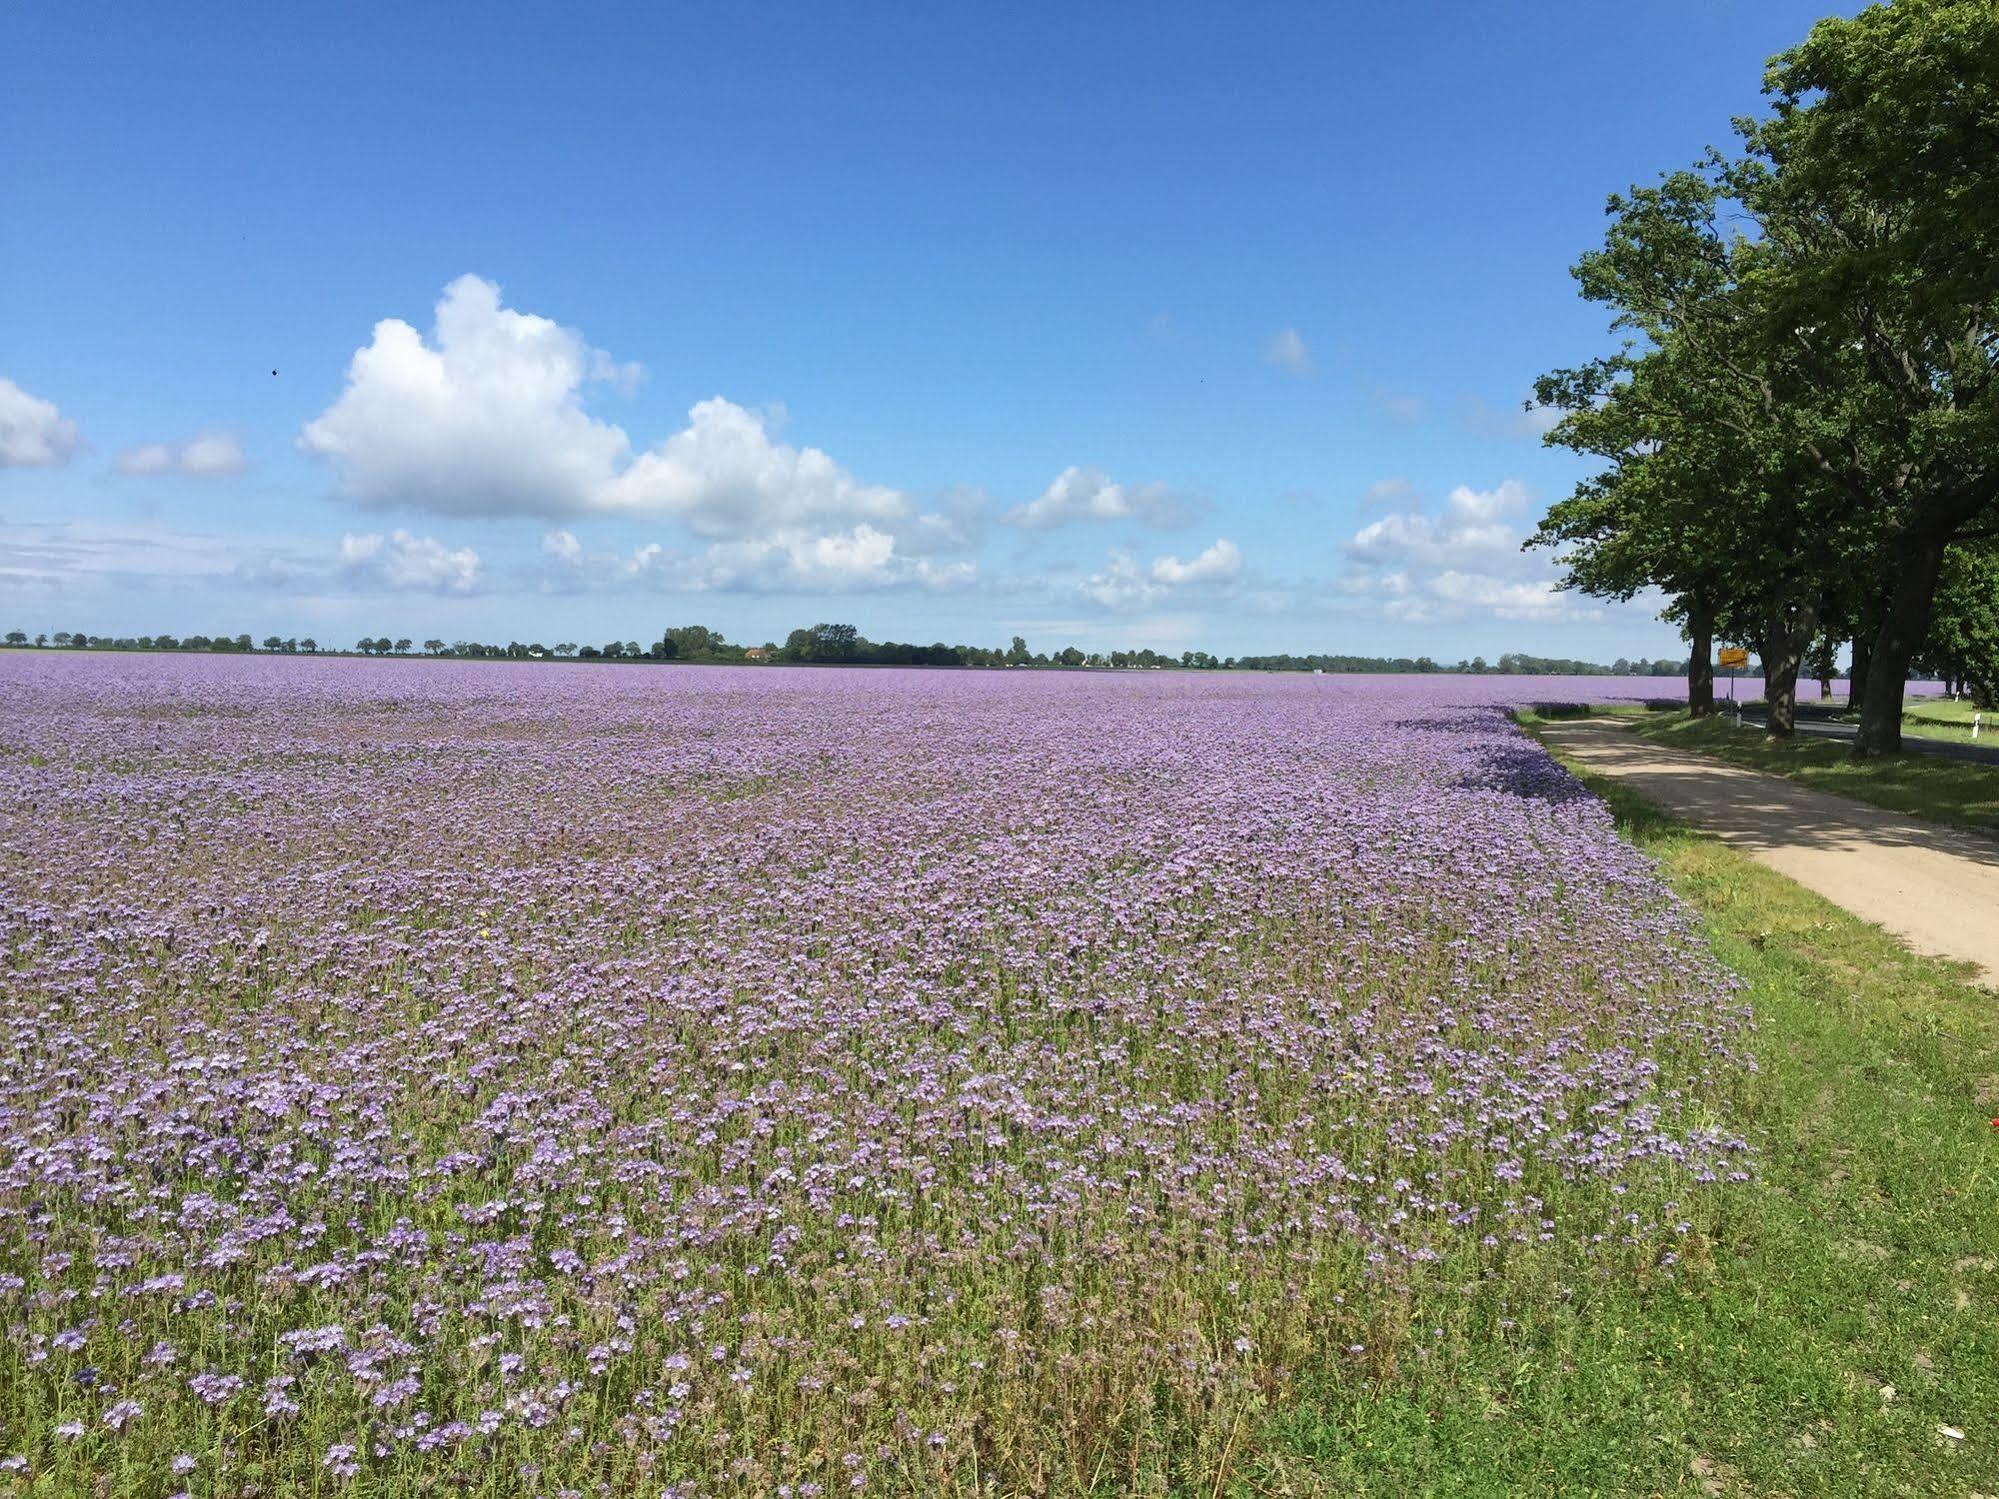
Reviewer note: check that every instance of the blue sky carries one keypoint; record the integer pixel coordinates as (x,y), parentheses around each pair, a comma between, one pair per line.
(1182,326)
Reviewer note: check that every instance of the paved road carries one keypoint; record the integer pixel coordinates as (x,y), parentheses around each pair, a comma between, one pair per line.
(1936,888)
(1984,752)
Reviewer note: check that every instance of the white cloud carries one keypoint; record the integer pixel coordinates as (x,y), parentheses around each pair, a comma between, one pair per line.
(208,455)
(487,417)
(486,420)
(1120,585)
(1218,563)
(1471,528)
(404,562)
(1123,585)
(1287,351)
(212,453)
(1480,507)
(33,433)
(1463,562)
(1088,494)
(862,558)
(723,476)
(1532,600)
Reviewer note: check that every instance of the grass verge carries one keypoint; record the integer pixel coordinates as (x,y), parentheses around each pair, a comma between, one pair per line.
(1846,1321)
(1941,718)
(1959,792)
(1923,718)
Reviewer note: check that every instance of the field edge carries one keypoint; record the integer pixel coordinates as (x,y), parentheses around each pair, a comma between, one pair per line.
(1846,1340)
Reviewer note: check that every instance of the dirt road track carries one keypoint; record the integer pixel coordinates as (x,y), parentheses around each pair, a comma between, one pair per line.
(1934,887)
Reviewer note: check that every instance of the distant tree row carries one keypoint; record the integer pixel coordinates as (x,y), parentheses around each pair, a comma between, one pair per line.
(840,644)
(1799,437)
(80,640)
(844,645)
(1512,664)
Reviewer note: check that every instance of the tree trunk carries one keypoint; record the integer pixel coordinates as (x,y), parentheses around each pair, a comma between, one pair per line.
(1856,678)
(1700,665)
(1789,633)
(1918,560)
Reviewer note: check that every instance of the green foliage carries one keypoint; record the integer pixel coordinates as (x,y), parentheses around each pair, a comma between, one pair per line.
(1807,413)
(1963,641)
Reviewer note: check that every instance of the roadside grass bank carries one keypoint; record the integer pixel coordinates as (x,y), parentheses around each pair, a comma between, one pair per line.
(1924,718)
(1940,718)
(1958,792)
(1835,1332)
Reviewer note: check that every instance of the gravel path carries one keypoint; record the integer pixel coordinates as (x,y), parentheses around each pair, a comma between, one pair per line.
(1936,888)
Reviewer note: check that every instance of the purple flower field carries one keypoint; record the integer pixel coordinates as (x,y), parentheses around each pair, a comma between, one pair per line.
(457,1077)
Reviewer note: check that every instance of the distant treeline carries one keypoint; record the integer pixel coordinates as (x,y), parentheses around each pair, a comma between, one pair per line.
(1512,664)
(844,645)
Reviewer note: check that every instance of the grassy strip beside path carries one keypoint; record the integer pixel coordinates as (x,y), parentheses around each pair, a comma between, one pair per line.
(1941,718)
(1848,1310)
(1958,792)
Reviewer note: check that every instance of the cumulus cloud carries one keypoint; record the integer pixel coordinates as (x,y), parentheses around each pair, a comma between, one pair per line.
(486,419)
(1287,351)
(1218,563)
(208,455)
(212,453)
(1463,562)
(33,433)
(1119,585)
(1470,528)
(724,476)
(1122,584)
(403,562)
(1088,494)
(486,416)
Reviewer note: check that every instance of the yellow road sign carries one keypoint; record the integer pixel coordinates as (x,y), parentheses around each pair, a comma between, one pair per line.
(1730,655)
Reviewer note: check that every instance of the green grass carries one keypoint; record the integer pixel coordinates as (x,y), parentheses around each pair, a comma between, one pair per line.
(1958,792)
(1940,718)
(1922,718)
(1846,1306)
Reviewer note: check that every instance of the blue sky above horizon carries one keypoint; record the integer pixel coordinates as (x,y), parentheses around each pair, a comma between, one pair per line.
(1185,327)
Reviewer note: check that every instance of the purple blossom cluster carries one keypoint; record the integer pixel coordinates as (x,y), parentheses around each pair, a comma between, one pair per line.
(707,1081)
